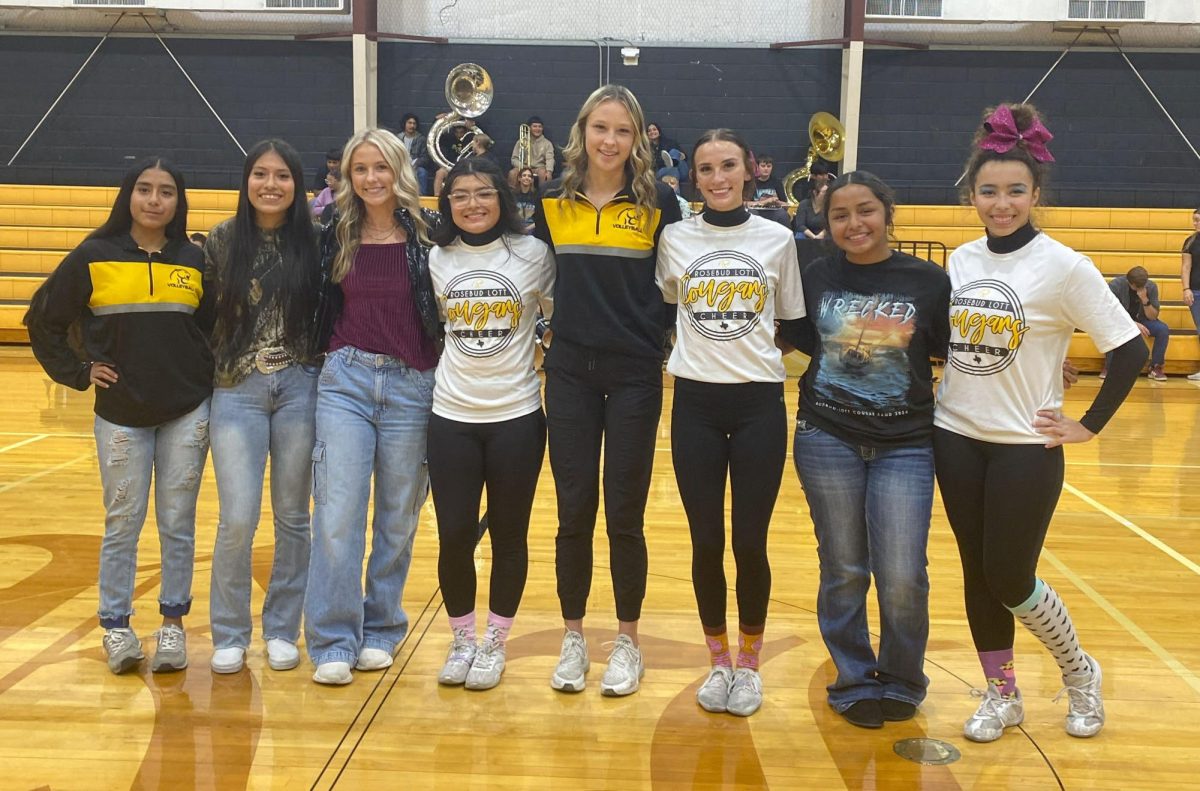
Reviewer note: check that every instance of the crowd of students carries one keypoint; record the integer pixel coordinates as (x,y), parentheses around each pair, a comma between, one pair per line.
(394,345)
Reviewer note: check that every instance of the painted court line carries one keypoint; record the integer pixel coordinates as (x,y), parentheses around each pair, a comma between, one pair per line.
(1138,633)
(24,442)
(1150,539)
(49,471)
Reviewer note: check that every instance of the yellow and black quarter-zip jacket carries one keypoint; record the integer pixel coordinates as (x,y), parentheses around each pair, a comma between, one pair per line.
(145,314)
(605,296)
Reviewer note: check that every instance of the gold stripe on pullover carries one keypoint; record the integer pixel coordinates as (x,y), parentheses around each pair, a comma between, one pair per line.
(140,287)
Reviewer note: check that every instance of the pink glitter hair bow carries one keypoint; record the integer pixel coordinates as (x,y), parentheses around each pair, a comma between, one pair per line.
(1003,135)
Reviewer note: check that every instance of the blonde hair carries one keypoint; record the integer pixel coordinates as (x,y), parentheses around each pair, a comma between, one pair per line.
(640,165)
(350,206)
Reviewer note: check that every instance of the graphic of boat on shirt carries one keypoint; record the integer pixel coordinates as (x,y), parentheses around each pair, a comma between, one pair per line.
(864,367)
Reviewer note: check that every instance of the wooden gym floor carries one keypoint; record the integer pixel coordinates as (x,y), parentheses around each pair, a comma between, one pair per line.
(1123,550)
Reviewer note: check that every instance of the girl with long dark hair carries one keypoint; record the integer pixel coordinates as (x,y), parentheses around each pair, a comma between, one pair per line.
(263,266)
(487,428)
(134,286)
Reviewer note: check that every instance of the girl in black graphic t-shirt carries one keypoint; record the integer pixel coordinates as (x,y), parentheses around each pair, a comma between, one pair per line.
(863,446)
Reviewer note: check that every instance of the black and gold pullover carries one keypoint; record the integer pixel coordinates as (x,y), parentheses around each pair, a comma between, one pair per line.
(605,296)
(146,314)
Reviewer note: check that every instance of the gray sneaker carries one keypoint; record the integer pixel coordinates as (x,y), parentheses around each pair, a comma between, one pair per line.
(745,694)
(171,654)
(124,650)
(488,666)
(573,663)
(1085,704)
(459,659)
(713,694)
(625,669)
(995,713)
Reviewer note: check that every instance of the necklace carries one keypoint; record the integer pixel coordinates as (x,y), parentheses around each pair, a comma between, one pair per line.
(377,235)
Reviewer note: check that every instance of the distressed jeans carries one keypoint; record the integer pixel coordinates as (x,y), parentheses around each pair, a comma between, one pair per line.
(372,420)
(260,415)
(173,455)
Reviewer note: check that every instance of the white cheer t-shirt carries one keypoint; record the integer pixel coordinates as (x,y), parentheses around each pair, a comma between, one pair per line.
(1011,320)
(489,297)
(731,284)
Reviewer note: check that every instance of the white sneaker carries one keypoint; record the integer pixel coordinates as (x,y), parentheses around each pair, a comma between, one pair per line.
(713,694)
(571,671)
(745,694)
(1194,377)
(459,659)
(333,673)
(625,669)
(488,666)
(373,659)
(994,714)
(282,654)
(1085,703)
(227,660)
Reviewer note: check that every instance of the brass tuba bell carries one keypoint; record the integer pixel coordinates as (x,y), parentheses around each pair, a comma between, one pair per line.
(827,140)
(469,93)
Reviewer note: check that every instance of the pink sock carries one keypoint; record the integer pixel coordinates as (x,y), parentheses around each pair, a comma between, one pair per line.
(999,671)
(498,628)
(464,623)
(748,647)
(718,649)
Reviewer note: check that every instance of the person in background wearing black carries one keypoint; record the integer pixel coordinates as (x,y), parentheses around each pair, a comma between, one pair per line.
(333,161)
(417,148)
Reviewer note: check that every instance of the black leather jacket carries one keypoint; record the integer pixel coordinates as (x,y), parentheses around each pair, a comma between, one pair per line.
(329,301)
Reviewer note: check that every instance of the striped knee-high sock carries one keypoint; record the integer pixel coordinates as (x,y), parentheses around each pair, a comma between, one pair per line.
(1044,614)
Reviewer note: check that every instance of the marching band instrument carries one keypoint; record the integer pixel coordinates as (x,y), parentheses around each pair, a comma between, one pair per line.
(469,93)
(827,140)
(524,148)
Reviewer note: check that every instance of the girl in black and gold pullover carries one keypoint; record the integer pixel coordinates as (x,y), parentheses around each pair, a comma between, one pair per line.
(604,369)
(134,288)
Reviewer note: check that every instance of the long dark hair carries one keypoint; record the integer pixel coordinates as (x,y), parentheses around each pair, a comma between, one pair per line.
(120,219)
(299,274)
(510,219)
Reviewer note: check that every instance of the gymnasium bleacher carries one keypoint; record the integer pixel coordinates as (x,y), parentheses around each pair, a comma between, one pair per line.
(39,224)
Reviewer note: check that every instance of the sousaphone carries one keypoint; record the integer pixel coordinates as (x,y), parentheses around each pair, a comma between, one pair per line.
(469,93)
(827,140)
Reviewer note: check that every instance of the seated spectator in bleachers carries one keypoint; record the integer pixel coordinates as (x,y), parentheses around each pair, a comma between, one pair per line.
(809,221)
(418,149)
(526,194)
(821,172)
(1138,294)
(452,145)
(768,190)
(665,152)
(333,161)
(671,179)
(324,200)
(541,154)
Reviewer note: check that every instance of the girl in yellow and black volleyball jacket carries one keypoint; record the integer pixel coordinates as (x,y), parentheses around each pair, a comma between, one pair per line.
(134,287)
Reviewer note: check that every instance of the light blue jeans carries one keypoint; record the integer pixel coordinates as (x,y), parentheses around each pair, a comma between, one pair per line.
(870,508)
(264,413)
(173,455)
(372,417)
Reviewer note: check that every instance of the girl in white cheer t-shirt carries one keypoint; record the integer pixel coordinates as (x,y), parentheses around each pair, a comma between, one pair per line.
(487,427)
(1017,297)
(732,275)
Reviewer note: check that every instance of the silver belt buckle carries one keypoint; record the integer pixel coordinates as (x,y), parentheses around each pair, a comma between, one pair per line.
(268,361)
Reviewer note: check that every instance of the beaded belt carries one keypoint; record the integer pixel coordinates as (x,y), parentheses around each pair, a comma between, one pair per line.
(276,358)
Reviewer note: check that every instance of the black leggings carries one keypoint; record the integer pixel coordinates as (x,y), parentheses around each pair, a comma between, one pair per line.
(463,458)
(999,499)
(740,429)
(593,397)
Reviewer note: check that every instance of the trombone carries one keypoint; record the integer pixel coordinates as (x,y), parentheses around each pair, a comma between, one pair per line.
(827,140)
(469,93)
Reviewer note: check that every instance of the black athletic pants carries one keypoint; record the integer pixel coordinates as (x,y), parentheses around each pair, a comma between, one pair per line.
(739,429)
(506,457)
(999,499)
(595,397)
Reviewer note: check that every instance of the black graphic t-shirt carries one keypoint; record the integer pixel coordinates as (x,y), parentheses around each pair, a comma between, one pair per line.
(870,331)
